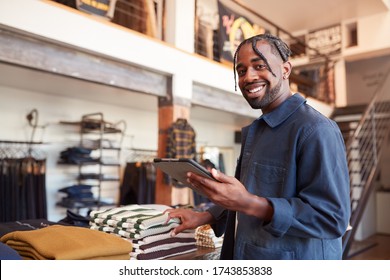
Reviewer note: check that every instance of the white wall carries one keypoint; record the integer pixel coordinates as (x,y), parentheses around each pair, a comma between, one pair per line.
(367,226)
(363,78)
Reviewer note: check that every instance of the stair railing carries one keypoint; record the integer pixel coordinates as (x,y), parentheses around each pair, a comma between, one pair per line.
(364,149)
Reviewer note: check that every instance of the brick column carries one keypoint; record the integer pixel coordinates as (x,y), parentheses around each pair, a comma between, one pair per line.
(169,110)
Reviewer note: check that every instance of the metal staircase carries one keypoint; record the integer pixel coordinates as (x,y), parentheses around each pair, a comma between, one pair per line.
(364,142)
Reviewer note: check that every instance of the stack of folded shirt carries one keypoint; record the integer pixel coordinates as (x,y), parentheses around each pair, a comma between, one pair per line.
(148,229)
(161,246)
(59,242)
(205,237)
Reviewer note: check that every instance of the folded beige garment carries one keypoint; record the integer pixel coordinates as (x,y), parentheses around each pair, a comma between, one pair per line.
(58,242)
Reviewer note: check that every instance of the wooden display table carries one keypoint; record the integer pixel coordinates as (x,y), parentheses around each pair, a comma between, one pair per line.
(202,253)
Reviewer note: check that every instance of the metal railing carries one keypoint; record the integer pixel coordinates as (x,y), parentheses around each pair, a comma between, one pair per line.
(364,149)
(144,16)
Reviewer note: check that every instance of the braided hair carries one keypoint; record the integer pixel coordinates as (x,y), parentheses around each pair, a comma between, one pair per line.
(278,47)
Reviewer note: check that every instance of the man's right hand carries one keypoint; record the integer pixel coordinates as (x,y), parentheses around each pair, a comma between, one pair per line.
(189,219)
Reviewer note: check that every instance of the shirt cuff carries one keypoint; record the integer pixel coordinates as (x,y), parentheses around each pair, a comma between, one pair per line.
(282,217)
(217,212)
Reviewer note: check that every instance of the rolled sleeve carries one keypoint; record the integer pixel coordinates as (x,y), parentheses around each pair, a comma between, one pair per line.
(282,218)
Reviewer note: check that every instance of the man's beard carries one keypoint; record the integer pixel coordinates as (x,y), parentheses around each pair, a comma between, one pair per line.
(269,97)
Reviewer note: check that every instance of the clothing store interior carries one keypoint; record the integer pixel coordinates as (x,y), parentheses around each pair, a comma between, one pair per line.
(92,92)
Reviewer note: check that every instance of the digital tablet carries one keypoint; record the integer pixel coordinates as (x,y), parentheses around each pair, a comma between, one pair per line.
(177,168)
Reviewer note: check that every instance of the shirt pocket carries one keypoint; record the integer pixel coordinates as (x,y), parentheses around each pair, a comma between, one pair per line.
(269,179)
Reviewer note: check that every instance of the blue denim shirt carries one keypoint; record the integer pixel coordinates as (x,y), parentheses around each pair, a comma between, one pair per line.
(295,157)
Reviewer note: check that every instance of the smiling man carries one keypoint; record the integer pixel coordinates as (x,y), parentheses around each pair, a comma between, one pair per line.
(263,81)
(289,198)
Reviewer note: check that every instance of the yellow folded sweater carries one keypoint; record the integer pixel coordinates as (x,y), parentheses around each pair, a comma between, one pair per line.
(59,242)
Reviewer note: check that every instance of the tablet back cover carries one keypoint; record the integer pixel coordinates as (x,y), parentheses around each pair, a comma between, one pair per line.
(178,168)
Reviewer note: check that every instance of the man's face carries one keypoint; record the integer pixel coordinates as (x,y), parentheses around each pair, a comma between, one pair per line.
(257,83)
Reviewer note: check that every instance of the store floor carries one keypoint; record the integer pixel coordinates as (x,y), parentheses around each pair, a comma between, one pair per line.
(376,247)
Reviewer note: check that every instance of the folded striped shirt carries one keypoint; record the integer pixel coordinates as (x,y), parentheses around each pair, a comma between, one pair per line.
(131,216)
(146,232)
(163,245)
(161,236)
(162,254)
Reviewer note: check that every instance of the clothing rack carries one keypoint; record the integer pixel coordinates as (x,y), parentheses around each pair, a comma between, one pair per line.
(21,149)
(141,155)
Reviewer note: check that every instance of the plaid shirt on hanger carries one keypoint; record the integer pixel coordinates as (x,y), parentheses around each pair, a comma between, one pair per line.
(181,140)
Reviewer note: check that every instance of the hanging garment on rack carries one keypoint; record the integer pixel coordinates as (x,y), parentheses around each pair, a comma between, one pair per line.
(138,184)
(181,140)
(22,189)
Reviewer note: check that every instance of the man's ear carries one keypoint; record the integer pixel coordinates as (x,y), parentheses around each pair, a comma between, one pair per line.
(286,69)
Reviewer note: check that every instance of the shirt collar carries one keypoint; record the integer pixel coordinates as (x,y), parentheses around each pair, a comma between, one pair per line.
(284,110)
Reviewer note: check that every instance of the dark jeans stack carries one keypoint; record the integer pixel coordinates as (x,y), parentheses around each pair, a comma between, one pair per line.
(77,196)
(75,219)
(77,155)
